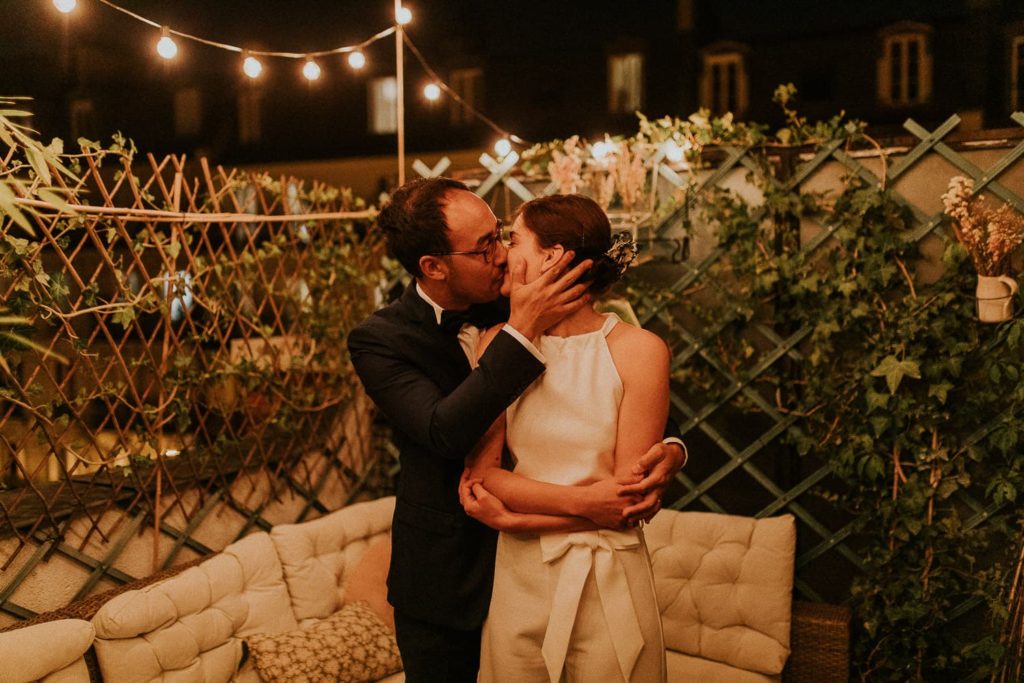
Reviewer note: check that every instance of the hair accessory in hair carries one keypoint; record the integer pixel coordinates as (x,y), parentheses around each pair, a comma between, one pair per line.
(623,251)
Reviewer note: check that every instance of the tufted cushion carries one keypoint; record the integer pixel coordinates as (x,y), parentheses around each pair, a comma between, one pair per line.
(317,555)
(51,651)
(351,646)
(682,668)
(191,625)
(367,581)
(725,586)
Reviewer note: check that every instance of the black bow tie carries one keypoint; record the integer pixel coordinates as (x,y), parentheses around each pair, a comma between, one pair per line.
(452,321)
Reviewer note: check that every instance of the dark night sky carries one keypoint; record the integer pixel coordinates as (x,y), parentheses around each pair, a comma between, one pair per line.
(529,49)
(512,27)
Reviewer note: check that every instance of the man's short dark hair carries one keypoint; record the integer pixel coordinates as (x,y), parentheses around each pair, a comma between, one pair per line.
(413,221)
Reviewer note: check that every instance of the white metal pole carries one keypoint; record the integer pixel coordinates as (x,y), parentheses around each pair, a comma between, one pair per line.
(400,83)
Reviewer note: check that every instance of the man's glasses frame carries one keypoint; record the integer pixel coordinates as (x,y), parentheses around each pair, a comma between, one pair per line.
(497,237)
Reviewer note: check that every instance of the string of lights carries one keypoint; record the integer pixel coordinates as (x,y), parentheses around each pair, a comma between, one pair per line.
(260,53)
(441,86)
(252,67)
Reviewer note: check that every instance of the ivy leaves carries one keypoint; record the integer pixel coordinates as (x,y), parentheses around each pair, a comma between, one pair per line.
(894,370)
(914,406)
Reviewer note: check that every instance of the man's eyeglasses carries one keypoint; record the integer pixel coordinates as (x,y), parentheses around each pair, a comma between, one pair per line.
(487,251)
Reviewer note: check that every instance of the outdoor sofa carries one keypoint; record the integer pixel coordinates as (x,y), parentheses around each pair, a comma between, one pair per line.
(724,587)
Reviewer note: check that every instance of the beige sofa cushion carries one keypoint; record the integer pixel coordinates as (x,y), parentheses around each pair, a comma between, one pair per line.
(725,586)
(191,626)
(75,672)
(51,651)
(351,646)
(686,669)
(318,555)
(367,581)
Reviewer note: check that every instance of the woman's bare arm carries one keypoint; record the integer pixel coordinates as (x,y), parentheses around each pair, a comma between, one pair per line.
(600,502)
(487,508)
(642,360)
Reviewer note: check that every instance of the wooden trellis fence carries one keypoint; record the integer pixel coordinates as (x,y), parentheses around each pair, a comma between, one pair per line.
(206,391)
(743,469)
(189,380)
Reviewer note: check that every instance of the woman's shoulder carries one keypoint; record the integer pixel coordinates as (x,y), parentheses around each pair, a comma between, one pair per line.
(636,339)
(633,347)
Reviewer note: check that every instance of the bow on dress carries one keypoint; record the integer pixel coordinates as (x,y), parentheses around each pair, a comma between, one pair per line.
(578,553)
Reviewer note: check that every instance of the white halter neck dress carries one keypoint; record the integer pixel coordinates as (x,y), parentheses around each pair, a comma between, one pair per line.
(571,606)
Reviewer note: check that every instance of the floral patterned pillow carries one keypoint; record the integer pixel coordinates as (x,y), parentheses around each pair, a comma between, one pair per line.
(350,646)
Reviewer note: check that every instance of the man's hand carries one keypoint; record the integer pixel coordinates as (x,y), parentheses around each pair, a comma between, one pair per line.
(538,305)
(656,470)
(482,505)
(604,504)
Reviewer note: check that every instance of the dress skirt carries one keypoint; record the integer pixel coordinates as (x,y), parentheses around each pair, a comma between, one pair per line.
(573,607)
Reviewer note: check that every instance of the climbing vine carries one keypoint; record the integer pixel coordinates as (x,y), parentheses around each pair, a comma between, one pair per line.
(912,402)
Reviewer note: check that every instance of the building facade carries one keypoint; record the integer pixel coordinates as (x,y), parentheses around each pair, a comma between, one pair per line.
(540,70)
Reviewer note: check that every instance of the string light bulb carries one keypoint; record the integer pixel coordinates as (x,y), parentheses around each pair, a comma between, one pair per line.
(502,147)
(252,67)
(432,91)
(356,59)
(403,16)
(65,6)
(166,47)
(311,70)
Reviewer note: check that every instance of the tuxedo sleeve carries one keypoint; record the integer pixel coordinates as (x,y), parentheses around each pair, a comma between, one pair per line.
(672,430)
(449,425)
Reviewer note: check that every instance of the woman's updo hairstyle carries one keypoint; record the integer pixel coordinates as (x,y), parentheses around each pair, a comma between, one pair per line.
(577,223)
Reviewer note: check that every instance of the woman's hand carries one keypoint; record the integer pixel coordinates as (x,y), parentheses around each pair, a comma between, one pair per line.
(481,505)
(484,507)
(604,504)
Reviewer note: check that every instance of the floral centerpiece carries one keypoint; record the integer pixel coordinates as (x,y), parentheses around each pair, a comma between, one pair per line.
(990,236)
(617,173)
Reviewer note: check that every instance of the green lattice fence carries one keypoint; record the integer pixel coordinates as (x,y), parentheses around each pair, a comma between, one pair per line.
(741,463)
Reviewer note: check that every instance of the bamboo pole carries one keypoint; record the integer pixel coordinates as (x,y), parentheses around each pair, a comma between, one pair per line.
(400,85)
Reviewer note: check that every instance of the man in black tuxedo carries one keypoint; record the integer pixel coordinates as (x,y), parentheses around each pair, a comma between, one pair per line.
(414,358)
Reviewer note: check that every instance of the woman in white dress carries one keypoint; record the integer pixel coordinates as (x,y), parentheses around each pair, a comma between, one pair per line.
(573,596)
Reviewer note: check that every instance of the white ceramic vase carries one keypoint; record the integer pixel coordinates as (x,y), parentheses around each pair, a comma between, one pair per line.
(995,298)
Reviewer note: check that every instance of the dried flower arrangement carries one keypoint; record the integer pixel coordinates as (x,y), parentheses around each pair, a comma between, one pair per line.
(989,235)
(616,172)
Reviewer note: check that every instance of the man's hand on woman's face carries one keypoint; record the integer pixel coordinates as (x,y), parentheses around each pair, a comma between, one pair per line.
(538,305)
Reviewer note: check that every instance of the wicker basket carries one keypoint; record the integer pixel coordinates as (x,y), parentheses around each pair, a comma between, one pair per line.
(819,644)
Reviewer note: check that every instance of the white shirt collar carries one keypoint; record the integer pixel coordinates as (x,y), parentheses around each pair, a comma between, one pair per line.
(437,309)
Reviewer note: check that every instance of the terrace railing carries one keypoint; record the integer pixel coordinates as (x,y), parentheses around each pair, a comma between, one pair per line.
(182,377)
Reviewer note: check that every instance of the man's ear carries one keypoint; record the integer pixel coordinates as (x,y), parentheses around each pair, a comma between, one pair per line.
(434,268)
(551,256)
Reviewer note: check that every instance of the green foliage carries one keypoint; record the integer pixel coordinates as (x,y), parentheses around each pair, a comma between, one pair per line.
(914,404)
(258,364)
